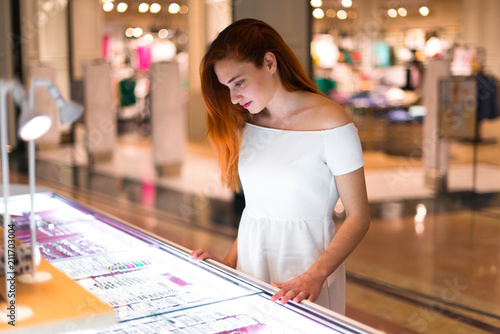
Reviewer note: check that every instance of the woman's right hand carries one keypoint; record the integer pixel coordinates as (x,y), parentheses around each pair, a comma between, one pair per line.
(200,255)
(230,259)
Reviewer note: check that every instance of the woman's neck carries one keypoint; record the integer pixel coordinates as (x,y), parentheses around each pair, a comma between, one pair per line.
(283,110)
(284,104)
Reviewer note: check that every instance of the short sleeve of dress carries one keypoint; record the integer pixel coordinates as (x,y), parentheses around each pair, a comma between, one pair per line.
(343,152)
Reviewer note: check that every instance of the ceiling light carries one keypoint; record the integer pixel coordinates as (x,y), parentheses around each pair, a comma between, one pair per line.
(341,14)
(316,3)
(121,7)
(148,38)
(174,8)
(155,8)
(318,13)
(107,6)
(347,3)
(424,11)
(143,7)
(163,33)
(129,32)
(331,12)
(137,32)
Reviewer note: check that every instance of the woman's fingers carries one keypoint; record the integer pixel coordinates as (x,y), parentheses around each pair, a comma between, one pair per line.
(278,294)
(199,254)
(301,296)
(287,293)
(285,296)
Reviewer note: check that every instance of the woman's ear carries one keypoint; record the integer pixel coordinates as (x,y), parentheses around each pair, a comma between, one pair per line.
(270,62)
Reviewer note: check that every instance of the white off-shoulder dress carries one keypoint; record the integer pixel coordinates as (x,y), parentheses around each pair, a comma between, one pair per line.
(290,193)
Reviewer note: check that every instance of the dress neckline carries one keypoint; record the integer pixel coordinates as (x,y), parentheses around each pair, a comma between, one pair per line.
(297,131)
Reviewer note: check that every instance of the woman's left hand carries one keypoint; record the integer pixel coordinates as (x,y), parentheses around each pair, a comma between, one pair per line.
(299,288)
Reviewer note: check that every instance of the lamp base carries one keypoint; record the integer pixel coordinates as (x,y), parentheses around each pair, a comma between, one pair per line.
(38,277)
(21,312)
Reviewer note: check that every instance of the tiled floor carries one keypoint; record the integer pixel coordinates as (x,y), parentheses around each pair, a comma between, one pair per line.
(430,263)
(442,265)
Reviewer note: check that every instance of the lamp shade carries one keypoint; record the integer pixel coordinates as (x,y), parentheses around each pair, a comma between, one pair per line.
(68,111)
(33,124)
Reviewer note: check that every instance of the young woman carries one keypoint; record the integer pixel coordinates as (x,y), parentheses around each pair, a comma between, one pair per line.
(296,152)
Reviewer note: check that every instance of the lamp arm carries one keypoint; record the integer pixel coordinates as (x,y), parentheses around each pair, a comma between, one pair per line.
(37,83)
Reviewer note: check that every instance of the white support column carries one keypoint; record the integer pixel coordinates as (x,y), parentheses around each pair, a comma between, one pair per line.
(45,54)
(218,16)
(100,115)
(168,118)
(197,44)
(30,30)
(369,27)
(435,150)
(87,26)
(54,47)
(44,29)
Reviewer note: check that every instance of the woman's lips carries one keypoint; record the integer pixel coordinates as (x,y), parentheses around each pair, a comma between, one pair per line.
(246,105)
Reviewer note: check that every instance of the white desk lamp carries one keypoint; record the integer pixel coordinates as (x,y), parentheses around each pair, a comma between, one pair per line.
(29,120)
(68,112)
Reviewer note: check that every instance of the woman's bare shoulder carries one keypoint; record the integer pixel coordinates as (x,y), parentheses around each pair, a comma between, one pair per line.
(325,114)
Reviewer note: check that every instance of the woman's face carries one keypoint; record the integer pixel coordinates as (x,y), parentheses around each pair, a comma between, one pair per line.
(249,86)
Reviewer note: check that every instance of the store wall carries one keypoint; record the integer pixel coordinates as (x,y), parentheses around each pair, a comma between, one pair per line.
(291,18)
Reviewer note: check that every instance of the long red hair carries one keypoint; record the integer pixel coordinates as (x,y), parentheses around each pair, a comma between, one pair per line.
(244,40)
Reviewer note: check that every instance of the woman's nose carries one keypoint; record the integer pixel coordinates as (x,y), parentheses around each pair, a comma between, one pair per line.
(235,98)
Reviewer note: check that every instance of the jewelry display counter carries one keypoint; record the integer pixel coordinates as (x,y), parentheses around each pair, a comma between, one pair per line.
(152,284)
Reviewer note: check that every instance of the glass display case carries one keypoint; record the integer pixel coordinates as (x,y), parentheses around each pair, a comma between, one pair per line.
(152,284)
